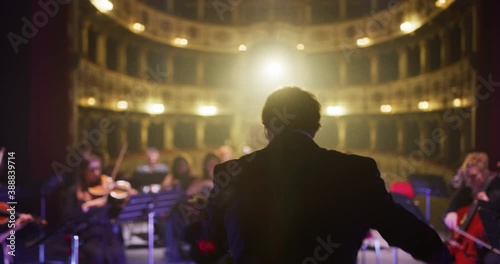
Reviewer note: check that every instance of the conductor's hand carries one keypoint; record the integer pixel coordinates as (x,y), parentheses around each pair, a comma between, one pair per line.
(451,220)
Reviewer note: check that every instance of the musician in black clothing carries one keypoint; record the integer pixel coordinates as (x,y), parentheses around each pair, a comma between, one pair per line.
(295,202)
(481,184)
(101,244)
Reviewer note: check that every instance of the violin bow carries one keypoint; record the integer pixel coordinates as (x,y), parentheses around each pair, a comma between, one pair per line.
(119,160)
(477,240)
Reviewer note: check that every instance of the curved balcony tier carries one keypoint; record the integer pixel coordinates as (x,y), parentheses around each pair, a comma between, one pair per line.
(381,26)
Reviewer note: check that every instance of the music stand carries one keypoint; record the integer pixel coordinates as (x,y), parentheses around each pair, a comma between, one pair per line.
(140,179)
(146,206)
(490,217)
(73,225)
(428,185)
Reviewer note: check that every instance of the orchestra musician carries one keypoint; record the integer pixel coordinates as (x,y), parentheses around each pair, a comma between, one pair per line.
(101,243)
(7,228)
(479,184)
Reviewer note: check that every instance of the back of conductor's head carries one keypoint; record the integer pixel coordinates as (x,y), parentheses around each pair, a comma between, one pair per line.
(291,108)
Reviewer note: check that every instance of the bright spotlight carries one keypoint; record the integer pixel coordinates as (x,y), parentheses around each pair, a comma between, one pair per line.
(102,5)
(122,104)
(156,108)
(242,47)
(442,3)
(91,101)
(207,110)
(181,41)
(386,108)
(274,68)
(300,46)
(457,102)
(138,27)
(363,41)
(407,27)
(423,105)
(335,110)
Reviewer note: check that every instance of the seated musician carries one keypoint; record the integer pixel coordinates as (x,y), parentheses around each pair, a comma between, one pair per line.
(101,243)
(473,157)
(479,184)
(181,234)
(152,164)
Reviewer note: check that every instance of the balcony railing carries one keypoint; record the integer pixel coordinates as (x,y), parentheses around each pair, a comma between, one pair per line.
(377,27)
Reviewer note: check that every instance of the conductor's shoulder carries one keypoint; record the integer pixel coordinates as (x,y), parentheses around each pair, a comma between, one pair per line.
(235,166)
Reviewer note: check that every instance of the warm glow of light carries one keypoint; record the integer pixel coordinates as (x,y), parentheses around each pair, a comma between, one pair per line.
(91,101)
(273,68)
(300,46)
(122,104)
(423,105)
(102,5)
(363,41)
(442,3)
(457,102)
(138,27)
(242,47)
(247,149)
(408,27)
(181,41)
(207,110)
(386,108)
(335,110)
(156,108)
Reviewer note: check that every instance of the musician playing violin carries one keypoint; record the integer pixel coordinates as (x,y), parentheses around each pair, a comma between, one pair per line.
(480,184)
(101,243)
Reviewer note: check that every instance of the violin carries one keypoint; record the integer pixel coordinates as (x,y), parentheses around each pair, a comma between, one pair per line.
(107,186)
(115,193)
(5,216)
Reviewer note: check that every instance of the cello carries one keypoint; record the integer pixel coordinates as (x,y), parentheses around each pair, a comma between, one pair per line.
(469,233)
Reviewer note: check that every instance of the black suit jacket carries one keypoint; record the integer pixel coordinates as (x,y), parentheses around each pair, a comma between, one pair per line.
(294,202)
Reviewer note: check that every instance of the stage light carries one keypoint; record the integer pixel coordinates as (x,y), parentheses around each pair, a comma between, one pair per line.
(300,46)
(207,110)
(102,5)
(457,102)
(363,41)
(138,27)
(181,41)
(442,3)
(122,104)
(423,105)
(386,108)
(242,47)
(335,110)
(274,68)
(408,26)
(91,101)
(156,108)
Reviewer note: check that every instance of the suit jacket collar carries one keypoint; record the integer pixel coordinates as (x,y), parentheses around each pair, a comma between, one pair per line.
(299,138)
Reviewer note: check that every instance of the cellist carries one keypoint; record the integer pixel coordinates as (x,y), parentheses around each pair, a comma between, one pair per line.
(479,184)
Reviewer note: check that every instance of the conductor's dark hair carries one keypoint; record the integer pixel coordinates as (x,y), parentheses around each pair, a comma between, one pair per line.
(291,108)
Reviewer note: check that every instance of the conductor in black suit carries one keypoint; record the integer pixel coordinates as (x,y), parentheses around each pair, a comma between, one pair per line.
(295,202)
